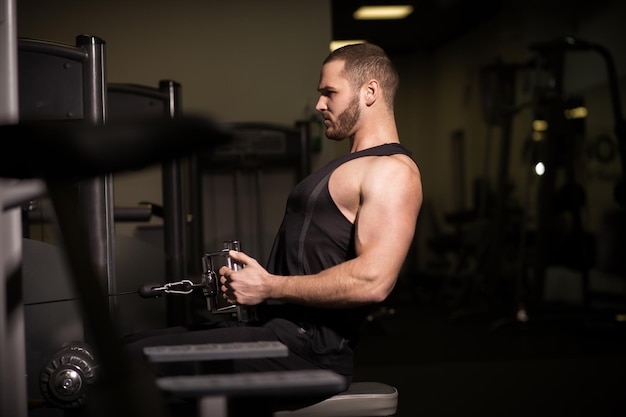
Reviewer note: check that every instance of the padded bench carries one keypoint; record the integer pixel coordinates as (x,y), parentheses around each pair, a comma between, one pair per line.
(361,399)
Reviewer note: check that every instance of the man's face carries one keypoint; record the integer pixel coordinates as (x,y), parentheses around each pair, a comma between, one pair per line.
(338,103)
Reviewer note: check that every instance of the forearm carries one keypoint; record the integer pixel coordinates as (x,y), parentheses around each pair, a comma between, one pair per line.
(348,284)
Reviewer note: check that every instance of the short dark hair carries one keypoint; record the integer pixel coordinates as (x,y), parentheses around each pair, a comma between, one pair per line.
(364,61)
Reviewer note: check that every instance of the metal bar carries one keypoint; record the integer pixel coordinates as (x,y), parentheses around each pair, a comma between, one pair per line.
(13,397)
(178,311)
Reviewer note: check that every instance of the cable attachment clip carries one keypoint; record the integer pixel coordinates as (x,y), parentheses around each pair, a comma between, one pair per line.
(183,287)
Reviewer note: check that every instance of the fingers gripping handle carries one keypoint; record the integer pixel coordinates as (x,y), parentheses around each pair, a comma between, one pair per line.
(244,313)
(228,246)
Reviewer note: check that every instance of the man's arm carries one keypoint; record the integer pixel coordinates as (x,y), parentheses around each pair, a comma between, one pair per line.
(391,197)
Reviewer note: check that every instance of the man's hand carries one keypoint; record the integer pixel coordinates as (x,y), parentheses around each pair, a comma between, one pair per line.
(249,285)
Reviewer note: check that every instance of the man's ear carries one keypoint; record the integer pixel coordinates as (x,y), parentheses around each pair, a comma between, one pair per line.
(372,91)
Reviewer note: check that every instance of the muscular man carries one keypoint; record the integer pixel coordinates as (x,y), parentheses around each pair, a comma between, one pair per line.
(345,234)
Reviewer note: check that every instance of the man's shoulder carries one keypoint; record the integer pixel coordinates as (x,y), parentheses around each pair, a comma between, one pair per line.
(393,161)
(373,159)
(388,171)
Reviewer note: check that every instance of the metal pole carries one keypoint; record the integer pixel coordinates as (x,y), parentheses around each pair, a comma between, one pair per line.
(174,216)
(13,397)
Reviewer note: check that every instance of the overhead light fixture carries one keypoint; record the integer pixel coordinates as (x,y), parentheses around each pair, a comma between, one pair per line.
(382,12)
(338,44)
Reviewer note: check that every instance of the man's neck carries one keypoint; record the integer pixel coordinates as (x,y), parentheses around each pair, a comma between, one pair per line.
(379,136)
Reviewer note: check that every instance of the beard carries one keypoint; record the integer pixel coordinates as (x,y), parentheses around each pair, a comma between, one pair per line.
(343,126)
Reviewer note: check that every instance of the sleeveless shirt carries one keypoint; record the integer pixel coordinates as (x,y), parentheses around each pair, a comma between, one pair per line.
(315,235)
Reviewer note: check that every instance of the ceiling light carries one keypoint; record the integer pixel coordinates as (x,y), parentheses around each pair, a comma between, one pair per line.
(382,12)
(338,44)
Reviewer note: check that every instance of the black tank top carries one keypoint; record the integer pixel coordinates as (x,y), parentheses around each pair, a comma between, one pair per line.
(314,236)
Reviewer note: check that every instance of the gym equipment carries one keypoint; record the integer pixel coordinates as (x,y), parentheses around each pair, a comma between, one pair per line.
(69,92)
(119,380)
(513,245)
(86,153)
(209,285)
(67,376)
(266,390)
(361,399)
(563,155)
(132,102)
